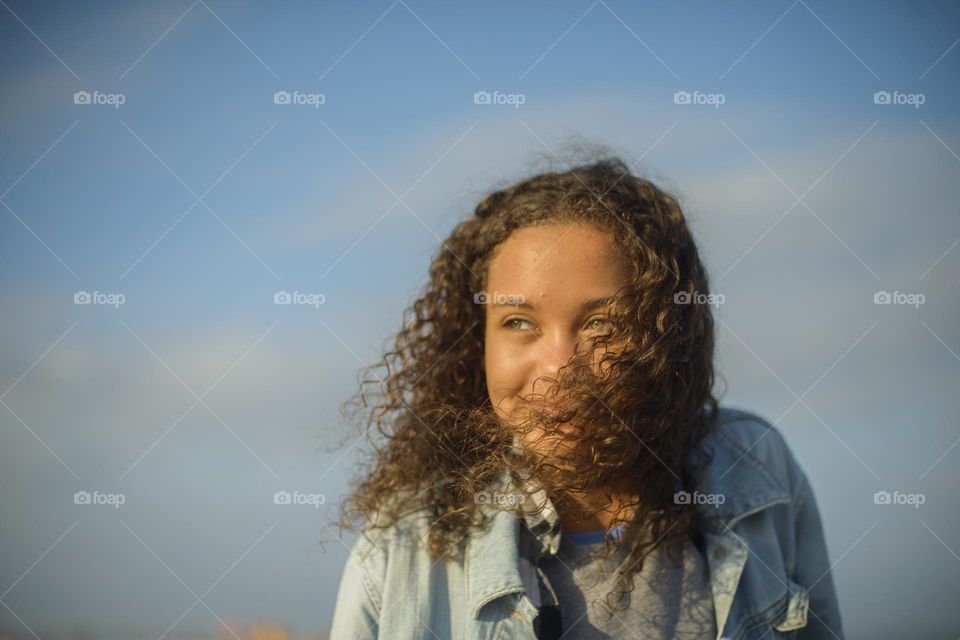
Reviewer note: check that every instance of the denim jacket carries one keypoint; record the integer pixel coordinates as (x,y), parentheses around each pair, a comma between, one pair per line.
(769,571)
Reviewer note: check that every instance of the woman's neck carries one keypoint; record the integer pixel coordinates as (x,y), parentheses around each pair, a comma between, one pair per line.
(595,511)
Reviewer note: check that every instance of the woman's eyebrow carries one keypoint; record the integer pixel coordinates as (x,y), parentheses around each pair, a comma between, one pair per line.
(586,305)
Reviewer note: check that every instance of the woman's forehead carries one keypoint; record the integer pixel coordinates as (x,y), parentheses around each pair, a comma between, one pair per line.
(558,256)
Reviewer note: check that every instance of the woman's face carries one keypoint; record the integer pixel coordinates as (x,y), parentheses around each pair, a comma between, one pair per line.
(562,275)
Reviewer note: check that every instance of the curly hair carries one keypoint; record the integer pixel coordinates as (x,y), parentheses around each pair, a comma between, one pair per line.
(436,441)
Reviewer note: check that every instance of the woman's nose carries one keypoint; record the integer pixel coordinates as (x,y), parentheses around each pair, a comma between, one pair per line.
(553,353)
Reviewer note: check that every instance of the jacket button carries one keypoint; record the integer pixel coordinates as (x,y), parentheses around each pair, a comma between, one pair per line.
(719,553)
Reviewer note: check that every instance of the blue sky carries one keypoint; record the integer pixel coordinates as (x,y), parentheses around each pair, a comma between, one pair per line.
(199,197)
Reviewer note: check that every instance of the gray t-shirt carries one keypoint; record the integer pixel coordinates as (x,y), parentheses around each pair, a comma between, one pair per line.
(666,602)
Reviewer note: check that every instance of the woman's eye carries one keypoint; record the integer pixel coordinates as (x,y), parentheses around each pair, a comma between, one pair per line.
(603,323)
(599,323)
(510,324)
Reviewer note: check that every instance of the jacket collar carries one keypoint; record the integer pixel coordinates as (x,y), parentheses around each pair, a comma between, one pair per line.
(493,556)
(736,482)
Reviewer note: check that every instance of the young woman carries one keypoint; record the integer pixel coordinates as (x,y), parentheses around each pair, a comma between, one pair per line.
(548,459)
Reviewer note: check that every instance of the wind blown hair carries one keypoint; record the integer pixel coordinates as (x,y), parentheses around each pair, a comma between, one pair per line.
(640,397)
